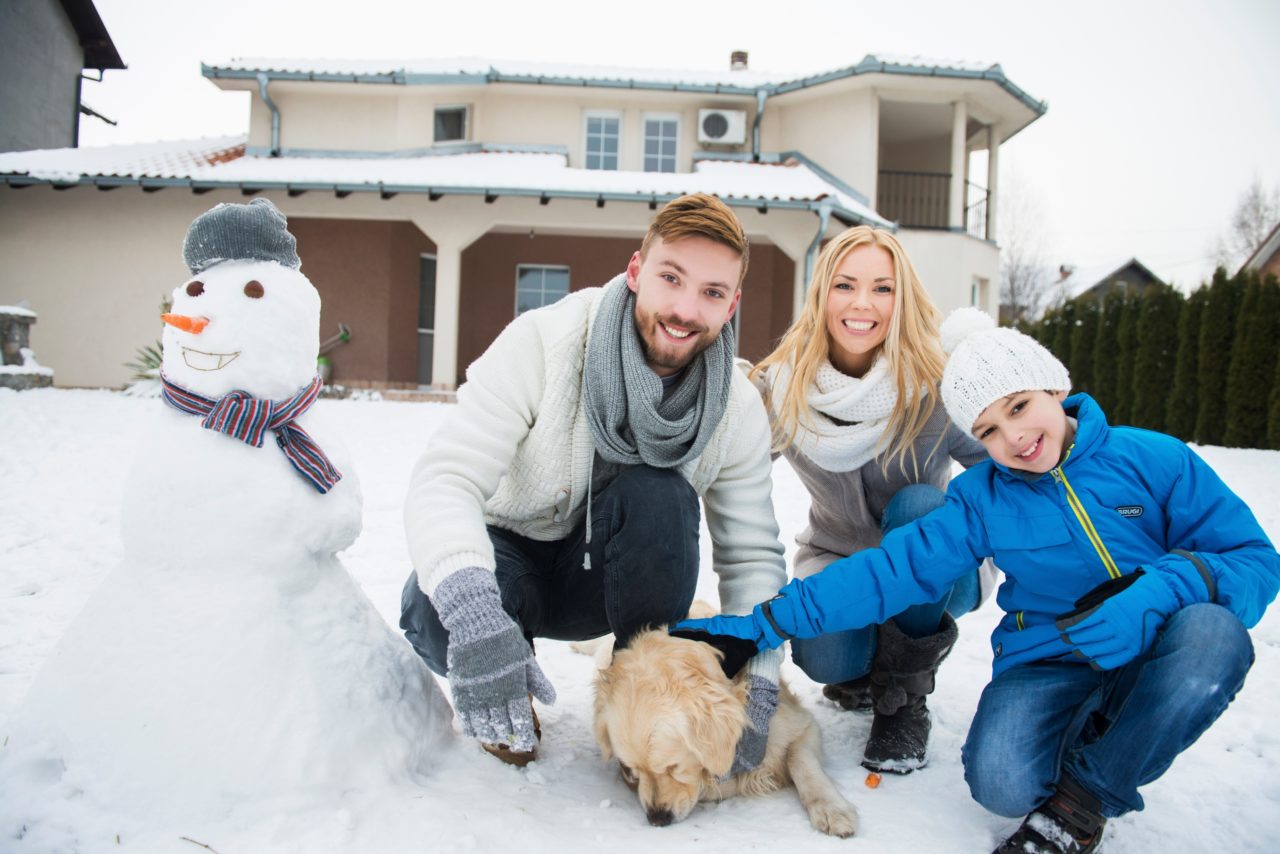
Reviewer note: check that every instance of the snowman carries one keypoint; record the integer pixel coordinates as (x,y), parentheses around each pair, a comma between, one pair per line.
(230,658)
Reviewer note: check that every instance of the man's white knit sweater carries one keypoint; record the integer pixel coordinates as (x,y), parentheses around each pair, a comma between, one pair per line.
(516,452)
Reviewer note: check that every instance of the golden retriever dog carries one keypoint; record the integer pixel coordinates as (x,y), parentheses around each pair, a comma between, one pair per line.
(667,711)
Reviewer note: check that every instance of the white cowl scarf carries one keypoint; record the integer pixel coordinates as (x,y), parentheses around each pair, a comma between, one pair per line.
(847,415)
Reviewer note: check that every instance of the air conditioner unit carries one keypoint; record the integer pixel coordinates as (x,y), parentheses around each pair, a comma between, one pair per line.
(722,127)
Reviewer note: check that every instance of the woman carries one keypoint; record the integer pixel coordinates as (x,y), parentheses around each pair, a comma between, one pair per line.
(852,394)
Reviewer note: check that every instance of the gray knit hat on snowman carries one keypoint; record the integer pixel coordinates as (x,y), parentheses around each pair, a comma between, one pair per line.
(230,232)
(987,362)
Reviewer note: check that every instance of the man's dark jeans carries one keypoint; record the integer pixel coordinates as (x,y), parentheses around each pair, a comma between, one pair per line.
(644,569)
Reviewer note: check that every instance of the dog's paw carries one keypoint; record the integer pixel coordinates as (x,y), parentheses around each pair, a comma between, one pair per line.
(834,819)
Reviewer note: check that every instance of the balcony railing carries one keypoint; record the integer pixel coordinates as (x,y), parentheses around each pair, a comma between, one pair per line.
(975,212)
(914,199)
(921,200)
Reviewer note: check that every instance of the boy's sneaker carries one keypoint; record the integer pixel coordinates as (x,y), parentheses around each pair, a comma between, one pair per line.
(1067,823)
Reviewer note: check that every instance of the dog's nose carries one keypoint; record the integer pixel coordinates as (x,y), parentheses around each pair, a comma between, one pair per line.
(660,817)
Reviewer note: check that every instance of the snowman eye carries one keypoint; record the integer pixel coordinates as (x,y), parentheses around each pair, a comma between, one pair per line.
(254,290)
(195,289)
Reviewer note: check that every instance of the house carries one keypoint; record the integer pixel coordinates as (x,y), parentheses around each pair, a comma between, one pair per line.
(1265,260)
(46,46)
(1094,283)
(434,200)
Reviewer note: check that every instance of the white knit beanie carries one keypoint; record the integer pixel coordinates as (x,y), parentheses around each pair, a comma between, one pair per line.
(987,363)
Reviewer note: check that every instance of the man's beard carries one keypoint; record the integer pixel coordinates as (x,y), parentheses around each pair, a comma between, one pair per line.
(658,356)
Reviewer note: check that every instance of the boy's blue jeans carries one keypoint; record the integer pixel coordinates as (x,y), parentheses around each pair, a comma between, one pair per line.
(842,656)
(1112,731)
(644,569)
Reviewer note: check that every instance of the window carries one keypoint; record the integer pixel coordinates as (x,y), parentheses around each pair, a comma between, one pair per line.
(602,140)
(660,135)
(426,317)
(451,124)
(537,286)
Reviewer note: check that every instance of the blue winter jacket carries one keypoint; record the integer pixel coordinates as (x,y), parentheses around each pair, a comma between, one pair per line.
(1124,498)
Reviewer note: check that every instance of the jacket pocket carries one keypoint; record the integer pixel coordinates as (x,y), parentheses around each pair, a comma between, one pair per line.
(1033,550)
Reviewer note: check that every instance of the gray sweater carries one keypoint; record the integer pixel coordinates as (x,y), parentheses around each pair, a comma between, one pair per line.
(846,507)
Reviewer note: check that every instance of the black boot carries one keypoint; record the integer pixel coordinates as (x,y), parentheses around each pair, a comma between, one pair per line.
(901,677)
(1067,823)
(852,696)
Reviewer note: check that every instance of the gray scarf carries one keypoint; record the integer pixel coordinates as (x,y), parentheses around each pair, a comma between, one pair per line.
(632,423)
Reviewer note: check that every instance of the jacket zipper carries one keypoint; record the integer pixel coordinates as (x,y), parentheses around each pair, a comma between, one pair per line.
(1083,518)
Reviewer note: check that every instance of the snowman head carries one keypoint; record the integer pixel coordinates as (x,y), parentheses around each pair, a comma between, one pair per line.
(247,318)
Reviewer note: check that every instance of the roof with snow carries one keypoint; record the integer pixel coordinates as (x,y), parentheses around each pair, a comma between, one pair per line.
(1084,279)
(223,162)
(477,70)
(1266,250)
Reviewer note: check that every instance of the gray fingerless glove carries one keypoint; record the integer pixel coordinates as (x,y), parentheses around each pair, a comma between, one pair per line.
(762,702)
(492,671)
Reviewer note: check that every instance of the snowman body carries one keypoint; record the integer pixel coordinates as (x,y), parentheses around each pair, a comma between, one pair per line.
(231,657)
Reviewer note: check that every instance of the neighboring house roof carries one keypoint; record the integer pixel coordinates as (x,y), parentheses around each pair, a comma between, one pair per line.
(1266,250)
(1085,279)
(219,163)
(476,70)
(99,51)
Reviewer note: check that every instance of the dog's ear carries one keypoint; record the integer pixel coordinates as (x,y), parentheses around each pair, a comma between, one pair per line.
(716,726)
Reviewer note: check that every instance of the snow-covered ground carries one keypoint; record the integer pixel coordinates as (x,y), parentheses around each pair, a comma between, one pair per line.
(63,456)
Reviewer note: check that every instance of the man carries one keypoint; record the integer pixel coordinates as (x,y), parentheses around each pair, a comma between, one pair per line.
(560,498)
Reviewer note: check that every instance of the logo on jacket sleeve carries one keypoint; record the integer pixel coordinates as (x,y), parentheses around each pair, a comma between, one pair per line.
(1130,511)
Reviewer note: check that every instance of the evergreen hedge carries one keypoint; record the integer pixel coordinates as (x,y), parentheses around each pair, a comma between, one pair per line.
(1204,368)
(1180,414)
(1156,357)
(1217,333)
(1252,371)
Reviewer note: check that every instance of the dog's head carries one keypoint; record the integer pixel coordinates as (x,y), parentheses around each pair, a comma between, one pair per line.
(665,708)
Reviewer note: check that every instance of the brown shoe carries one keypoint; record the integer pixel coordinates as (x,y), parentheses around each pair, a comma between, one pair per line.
(519,758)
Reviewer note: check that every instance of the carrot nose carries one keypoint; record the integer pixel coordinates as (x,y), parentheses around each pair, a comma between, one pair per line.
(194,325)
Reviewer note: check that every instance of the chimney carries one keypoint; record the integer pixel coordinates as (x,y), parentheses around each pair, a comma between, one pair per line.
(738,60)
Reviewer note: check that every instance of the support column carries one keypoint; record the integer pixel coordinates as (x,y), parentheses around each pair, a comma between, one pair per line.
(993,179)
(450,239)
(444,349)
(959,158)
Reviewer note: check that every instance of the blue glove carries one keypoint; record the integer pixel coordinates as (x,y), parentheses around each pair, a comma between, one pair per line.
(756,627)
(1118,629)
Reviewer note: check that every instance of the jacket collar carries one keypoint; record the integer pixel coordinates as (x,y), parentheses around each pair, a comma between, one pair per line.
(1091,431)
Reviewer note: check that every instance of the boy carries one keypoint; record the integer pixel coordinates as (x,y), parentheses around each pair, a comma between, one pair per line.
(1131,571)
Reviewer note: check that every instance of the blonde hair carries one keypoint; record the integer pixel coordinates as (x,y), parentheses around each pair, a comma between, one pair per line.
(911,346)
(699,215)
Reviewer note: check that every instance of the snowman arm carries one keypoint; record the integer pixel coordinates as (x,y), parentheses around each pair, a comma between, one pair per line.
(469,453)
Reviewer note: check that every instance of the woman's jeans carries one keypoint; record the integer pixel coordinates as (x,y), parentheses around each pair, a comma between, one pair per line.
(1111,731)
(644,569)
(847,655)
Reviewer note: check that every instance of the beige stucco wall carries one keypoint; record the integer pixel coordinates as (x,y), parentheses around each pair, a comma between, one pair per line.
(948,262)
(840,133)
(94,266)
(392,118)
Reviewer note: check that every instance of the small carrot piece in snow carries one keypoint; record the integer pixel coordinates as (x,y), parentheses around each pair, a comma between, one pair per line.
(194,325)
(873,780)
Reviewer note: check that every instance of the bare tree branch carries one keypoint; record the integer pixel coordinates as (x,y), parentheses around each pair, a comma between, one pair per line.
(1025,279)
(1256,213)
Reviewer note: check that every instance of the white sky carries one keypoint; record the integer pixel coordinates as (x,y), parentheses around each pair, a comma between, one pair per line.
(1160,113)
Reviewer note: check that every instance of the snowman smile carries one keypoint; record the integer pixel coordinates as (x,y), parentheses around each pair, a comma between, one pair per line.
(201,361)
